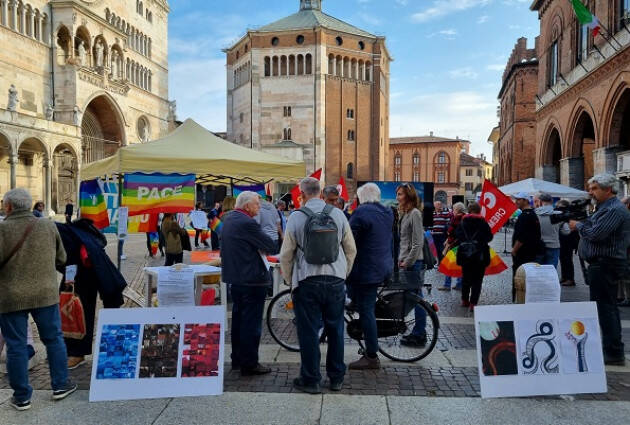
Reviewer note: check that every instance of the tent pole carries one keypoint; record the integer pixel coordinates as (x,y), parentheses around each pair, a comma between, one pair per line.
(120,241)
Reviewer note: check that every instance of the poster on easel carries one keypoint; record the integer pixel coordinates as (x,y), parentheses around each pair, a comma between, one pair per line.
(144,353)
(532,349)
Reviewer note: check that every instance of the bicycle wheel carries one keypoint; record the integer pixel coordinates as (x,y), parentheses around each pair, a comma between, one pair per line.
(281,321)
(394,329)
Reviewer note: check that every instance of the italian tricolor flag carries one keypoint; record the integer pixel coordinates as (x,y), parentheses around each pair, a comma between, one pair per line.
(586,17)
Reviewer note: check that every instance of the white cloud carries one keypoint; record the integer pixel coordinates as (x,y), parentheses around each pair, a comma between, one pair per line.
(483,19)
(470,115)
(440,8)
(448,34)
(496,67)
(466,72)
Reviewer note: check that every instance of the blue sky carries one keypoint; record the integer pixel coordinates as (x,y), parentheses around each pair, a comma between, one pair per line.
(449,56)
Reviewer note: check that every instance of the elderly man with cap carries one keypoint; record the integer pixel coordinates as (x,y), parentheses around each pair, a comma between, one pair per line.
(550,233)
(527,245)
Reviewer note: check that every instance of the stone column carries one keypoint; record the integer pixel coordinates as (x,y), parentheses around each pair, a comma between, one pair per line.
(13,160)
(40,35)
(572,172)
(5,12)
(33,21)
(363,72)
(356,70)
(14,13)
(343,68)
(48,184)
(23,20)
(605,160)
(334,66)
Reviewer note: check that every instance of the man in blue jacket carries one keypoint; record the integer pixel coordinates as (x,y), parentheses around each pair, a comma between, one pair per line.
(371,226)
(243,244)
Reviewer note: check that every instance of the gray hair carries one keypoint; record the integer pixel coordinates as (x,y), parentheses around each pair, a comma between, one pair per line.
(369,192)
(19,199)
(245,198)
(545,197)
(606,181)
(459,207)
(310,186)
(330,190)
(281,203)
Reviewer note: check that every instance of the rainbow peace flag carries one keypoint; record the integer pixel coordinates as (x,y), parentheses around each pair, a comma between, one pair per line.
(449,266)
(92,203)
(216,225)
(154,238)
(158,193)
(431,242)
(205,235)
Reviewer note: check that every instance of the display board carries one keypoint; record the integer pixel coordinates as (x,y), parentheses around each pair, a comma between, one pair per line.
(532,349)
(158,352)
(388,191)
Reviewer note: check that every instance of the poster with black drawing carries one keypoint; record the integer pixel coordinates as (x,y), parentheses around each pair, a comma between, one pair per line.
(580,347)
(498,348)
(538,347)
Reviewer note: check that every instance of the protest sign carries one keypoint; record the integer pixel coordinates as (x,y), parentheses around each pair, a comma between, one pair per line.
(158,352)
(532,349)
(158,193)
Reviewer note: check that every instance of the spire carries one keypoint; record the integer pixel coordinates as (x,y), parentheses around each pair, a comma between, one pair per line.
(310,4)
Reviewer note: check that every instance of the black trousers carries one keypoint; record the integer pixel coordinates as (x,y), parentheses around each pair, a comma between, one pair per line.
(566,262)
(472,279)
(174,259)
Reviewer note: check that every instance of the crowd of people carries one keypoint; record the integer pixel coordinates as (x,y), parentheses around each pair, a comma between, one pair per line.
(325,255)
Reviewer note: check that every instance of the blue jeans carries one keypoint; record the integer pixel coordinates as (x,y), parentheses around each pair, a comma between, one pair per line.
(419,328)
(364,297)
(320,299)
(14,330)
(247,316)
(448,280)
(551,257)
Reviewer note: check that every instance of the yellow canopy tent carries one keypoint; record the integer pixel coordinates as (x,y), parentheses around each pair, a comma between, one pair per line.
(193,149)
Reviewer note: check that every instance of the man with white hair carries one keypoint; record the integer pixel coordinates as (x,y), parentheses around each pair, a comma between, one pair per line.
(371,226)
(316,257)
(243,243)
(30,251)
(604,242)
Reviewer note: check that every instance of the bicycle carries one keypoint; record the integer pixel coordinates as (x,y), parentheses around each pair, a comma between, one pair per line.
(395,318)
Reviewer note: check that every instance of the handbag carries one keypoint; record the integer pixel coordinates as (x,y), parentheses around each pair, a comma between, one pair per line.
(72,314)
(17,247)
(186,245)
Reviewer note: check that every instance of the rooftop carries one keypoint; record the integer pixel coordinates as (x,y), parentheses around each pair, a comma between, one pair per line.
(423,139)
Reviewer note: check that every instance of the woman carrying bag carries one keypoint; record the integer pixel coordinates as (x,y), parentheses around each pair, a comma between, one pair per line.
(173,238)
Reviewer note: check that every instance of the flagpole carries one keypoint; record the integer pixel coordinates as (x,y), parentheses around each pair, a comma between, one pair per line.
(120,241)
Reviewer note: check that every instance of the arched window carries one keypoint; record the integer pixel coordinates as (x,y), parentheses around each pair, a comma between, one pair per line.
(416,159)
(442,158)
(292,69)
(283,65)
(397,159)
(309,64)
(300,65)
(289,134)
(267,66)
(276,70)
(350,171)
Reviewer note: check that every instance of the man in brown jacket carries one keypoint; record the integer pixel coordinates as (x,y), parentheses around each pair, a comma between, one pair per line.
(30,250)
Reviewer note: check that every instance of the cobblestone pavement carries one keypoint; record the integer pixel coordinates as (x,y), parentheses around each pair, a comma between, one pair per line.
(423,378)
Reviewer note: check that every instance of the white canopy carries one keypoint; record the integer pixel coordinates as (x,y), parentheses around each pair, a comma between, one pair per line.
(535,186)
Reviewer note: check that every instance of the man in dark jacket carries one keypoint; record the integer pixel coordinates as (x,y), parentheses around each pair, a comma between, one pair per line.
(371,226)
(527,244)
(242,245)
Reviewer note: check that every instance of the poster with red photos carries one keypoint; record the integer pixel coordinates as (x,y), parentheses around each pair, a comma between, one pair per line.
(158,352)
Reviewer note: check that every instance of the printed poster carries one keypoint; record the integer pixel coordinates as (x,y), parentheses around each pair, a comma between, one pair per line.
(158,352)
(531,349)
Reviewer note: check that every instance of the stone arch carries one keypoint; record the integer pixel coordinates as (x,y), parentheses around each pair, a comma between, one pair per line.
(308,64)
(615,130)
(275,66)
(143,129)
(65,175)
(368,71)
(6,150)
(283,65)
(551,154)
(64,43)
(30,169)
(331,64)
(354,72)
(83,35)
(101,39)
(267,66)
(300,65)
(346,67)
(339,70)
(361,70)
(580,145)
(581,107)
(102,128)
(292,65)
(117,55)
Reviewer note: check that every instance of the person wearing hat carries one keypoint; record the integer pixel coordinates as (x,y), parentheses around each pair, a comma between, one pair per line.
(550,233)
(527,244)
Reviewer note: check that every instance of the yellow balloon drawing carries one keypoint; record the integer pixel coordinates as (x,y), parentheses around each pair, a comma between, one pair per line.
(577,328)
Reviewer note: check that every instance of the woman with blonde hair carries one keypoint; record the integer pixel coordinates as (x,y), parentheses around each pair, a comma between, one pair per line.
(410,256)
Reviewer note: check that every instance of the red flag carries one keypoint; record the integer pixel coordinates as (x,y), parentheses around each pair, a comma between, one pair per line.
(268,191)
(343,190)
(496,206)
(353,207)
(295,192)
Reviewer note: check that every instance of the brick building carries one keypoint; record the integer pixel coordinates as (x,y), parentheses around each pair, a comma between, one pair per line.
(79,79)
(313,88)
(516,146)
(583,103)
(428,159)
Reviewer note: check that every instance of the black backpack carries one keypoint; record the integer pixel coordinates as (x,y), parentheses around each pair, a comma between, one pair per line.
(469,251)
(321,244)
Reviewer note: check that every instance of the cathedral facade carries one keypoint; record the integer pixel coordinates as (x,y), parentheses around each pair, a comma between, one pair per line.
(314,88)
(78,80)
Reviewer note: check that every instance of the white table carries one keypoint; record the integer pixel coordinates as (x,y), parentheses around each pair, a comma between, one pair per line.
(200,271)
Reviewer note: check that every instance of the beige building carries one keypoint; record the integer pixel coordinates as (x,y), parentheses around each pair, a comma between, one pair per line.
(312,87)
(472,173)
(80,78)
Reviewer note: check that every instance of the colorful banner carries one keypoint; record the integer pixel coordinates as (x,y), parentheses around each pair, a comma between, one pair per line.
(449,265)
(136,224)
(496,206)
(92,203)
(158,193)
(258,188)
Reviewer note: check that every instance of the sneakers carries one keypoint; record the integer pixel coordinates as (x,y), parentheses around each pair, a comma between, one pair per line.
(75,362)
(257,370)
(365,363)
(69,388)
(20,405)
(413,341)
(336,386)
(299,384)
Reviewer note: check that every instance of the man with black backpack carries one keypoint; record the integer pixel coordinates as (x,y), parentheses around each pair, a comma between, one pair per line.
(316,257)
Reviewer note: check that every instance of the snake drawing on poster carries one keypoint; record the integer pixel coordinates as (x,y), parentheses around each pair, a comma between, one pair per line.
(538,347)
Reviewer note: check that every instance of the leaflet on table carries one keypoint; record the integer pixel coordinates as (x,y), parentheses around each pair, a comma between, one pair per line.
(176,287)
(199,220)
(541,284)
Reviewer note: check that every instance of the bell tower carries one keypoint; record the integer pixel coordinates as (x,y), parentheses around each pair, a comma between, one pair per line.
(310,4)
